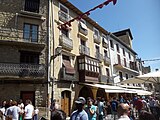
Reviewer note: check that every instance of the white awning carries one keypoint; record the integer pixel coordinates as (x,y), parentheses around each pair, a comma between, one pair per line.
(142,92)
(119,91)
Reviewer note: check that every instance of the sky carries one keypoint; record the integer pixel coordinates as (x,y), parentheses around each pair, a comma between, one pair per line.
(141,16)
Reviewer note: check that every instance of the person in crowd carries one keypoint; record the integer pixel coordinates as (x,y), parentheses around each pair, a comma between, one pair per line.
(15,110)
(21,106)
(139,104)
(2,110)
(145,105)
(28,110)
(122,100)
(58,115)
(79,113)
(151,104)
(122,111)
(91,109)
(101,109)
(8,112)
(114,106)
(144,115)
(36,111)
(157,108)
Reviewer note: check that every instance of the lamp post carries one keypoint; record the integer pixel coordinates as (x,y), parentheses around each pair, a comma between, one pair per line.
(58,51)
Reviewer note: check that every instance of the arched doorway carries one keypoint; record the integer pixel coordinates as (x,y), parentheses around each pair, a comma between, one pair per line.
(101,93)
(66,102)
(86,92)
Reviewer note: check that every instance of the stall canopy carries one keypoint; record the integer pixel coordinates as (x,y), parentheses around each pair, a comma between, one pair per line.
(152,77)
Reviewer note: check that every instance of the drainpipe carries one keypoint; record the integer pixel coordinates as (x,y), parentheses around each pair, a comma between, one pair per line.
(48,61)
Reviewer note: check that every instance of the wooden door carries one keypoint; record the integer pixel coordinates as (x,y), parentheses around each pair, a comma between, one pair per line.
(66,102)
(28,95)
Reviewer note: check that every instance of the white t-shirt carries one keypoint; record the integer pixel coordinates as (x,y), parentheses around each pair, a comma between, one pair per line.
(124,117)
(15,112)
(28,111)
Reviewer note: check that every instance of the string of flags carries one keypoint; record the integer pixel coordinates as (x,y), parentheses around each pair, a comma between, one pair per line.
(68,23)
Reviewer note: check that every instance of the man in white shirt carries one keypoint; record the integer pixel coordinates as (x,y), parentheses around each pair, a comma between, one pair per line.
(28,110)
(15,111)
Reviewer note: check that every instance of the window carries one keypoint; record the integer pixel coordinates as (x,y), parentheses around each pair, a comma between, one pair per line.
(30,32)
(119,59)
(32,5)
(126,76)
(97,49)
(129,55)
(65,32)
(111,44)
(120,76)
(63,13)
(83,42)
(123,52)
(107,74)
(117,46)
(29,57)
(65,57)
(125,64)
(105,53)
(96,32)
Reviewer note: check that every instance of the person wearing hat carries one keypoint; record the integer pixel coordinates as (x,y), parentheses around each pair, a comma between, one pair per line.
(79,113)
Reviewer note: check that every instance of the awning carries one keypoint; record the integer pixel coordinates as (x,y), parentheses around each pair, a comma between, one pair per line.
(83,25)
(111,89)
(142,92)
(69,68)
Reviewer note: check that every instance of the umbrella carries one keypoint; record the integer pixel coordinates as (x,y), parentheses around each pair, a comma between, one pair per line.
(152,77)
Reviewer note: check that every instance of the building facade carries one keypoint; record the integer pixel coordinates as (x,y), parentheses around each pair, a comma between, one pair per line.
(24,51)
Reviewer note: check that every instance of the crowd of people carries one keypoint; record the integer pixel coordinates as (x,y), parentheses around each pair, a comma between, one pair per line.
(137,108)
(140,108)
(13,110)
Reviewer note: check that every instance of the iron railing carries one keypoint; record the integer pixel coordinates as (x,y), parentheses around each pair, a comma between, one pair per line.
(84,50)
(63,16)
(22,70)
(12,34)
(66,42)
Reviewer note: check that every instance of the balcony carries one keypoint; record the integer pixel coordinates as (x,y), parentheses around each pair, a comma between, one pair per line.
(32,6)
(88,69)
(66,42)
(65,76)
(105,45)
(83,28)
(129,66)
(105,79)
(99,56)
(107,60)
(84,50)
(97,39)
(22,70)
(64,17)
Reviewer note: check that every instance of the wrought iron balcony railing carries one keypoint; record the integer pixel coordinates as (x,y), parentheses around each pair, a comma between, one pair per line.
(22,70)
(18,35)
(99,56)
(66,42)
(31,6)
(97,39)
(63,16)
(84,50)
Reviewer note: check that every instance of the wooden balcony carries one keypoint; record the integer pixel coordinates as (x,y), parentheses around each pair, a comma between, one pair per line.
(66,42)
(88,69)
(22,70)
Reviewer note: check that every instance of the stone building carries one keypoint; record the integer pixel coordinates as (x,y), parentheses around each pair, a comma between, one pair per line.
(24,51)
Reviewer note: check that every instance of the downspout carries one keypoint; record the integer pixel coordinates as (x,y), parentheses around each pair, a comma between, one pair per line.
(48,64)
